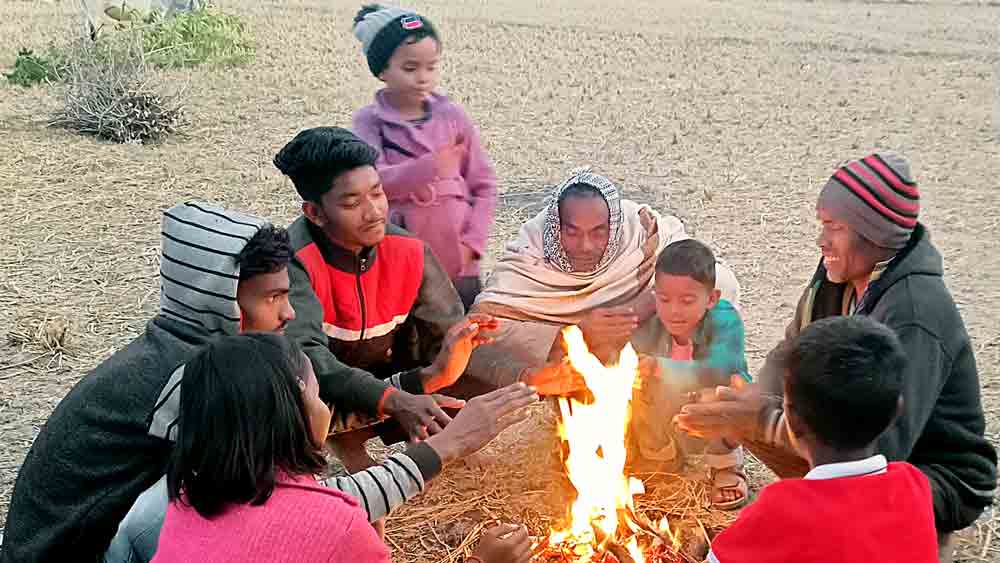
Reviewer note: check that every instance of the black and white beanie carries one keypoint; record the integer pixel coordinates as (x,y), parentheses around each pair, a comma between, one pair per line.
(381,30)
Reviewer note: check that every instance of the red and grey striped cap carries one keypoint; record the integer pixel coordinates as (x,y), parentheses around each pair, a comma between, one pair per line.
(876,196)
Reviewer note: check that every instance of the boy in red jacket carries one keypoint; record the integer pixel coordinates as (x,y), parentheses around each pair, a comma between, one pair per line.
(843,388)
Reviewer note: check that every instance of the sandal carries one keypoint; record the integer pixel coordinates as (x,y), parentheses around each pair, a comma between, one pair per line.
(725,471)
(729,479)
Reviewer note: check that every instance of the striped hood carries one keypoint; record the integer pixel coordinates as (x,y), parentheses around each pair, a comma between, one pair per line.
(199,274)
(198,267)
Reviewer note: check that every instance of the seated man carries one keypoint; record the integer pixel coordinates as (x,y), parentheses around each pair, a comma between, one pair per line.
(371,296)
(843,387)
(697,343)
(587,259)
(878,261)
(109,439)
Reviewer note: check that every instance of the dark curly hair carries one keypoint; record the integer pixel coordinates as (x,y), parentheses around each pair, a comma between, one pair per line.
(844,379)
(267,252)
(315,157)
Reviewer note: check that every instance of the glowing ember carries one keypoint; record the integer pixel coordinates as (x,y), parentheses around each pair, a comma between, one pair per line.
(603,525)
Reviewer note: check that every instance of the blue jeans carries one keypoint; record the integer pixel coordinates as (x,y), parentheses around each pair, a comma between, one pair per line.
(139,532)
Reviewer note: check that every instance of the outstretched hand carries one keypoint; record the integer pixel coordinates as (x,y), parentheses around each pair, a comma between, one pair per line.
(419,415)
(609,324)
(558,379)
(730,412)
(462,339)
(481,420)
(505,543)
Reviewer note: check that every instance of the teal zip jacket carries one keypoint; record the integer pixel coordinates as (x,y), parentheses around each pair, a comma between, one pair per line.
(719,349)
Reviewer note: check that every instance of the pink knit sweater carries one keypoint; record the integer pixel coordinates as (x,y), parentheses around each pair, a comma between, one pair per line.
(302,522)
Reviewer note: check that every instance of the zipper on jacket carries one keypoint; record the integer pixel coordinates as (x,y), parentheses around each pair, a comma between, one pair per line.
(358,263)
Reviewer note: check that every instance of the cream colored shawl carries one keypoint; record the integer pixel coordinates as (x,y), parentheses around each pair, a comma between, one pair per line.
(535,299)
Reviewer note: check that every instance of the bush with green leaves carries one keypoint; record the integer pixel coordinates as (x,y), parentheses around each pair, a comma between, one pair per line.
(205,36)
(32,68)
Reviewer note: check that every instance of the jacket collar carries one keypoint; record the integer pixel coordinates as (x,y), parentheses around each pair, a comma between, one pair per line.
(386,112)
(338,256)
(874,465)
(918,257)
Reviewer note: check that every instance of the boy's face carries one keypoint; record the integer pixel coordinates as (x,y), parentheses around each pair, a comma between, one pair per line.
(353,213)
(681,303)
(412,72)
(263,302)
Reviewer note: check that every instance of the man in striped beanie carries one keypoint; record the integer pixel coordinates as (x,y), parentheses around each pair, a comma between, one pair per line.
(876,196)
(878,261)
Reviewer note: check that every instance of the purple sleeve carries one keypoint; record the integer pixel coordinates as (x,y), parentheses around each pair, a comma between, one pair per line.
(398,180)
(481,180)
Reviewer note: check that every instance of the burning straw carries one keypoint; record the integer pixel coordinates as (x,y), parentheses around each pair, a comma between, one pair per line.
(521,479)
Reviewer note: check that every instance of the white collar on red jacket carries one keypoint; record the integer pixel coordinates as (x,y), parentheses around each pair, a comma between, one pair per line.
(874,465)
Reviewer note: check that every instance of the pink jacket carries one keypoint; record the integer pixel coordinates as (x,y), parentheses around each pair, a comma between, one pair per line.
(461,208)
(302,522)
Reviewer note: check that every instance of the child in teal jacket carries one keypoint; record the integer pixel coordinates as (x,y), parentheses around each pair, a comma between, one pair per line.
(696,341)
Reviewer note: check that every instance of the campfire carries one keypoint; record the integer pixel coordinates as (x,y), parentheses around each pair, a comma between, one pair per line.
(604,526)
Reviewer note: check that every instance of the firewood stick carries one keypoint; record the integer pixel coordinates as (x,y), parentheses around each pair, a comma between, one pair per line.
(645,525)
(620,553)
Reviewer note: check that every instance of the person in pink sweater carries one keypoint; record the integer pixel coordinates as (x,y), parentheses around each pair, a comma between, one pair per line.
(250,436)
(440,182)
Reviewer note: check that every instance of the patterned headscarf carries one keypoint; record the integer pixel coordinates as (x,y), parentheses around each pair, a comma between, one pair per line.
(555,254)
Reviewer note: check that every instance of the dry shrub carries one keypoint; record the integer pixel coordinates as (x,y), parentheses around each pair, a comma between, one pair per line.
(110,93)
(52,334)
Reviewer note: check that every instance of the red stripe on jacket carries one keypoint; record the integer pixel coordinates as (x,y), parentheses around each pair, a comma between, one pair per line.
(390,287)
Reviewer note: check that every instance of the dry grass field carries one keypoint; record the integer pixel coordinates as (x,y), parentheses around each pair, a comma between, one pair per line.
(730,114)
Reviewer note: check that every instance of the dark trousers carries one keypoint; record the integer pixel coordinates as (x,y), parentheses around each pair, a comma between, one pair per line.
(468,288)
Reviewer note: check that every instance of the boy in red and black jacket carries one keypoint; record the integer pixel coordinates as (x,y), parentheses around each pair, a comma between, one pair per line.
(843,388)
(369,296)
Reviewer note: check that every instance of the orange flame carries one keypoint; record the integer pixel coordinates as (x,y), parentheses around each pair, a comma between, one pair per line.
(595,465)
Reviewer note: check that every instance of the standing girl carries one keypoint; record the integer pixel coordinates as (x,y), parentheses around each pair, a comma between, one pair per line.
(440,182)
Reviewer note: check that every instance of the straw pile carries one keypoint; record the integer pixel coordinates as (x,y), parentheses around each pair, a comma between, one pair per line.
(520,479)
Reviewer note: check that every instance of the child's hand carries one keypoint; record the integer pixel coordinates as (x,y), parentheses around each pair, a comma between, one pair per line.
(505,543)
(448,160)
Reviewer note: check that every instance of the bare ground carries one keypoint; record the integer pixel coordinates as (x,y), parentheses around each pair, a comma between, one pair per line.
(729,114)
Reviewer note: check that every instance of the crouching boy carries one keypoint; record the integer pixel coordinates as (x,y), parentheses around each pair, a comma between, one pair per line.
(696,341)
(843,388)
